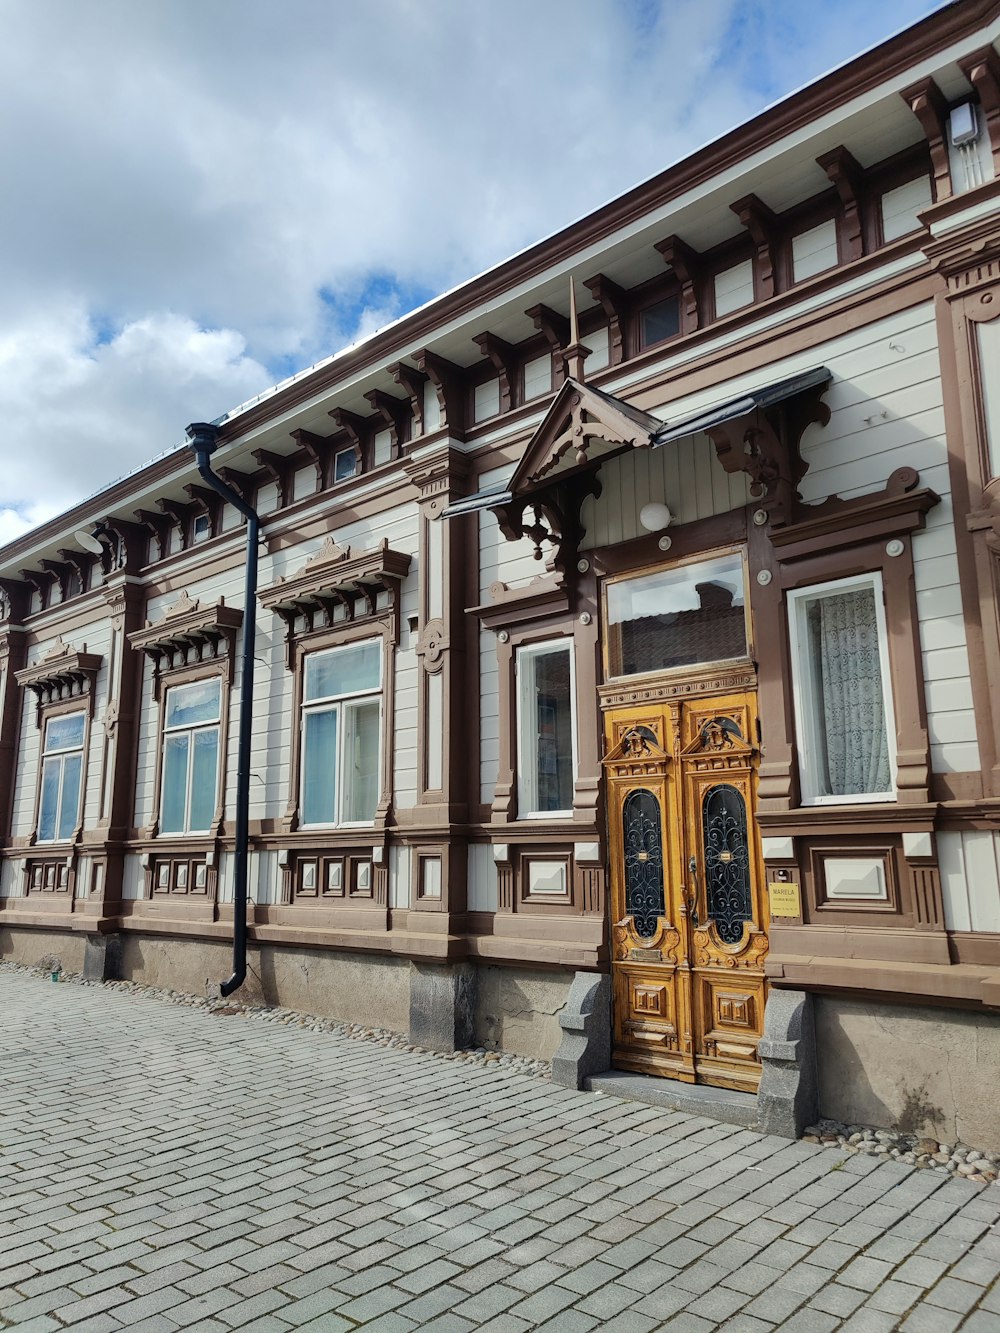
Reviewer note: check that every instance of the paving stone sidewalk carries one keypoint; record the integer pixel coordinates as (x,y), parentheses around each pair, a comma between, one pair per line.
(165,1168)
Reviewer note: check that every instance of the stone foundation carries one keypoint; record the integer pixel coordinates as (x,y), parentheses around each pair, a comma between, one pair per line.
(444,1006)
(913,1068)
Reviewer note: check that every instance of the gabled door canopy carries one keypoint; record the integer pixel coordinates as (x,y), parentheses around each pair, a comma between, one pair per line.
(757,433)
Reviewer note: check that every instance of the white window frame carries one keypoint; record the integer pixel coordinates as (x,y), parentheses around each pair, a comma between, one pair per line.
(189,728)
(336,703)
(527,756)
(803,690)
(59,757)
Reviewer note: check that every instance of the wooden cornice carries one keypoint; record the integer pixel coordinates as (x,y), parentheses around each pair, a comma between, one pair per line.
(927,103)
(847,176)
(545,596)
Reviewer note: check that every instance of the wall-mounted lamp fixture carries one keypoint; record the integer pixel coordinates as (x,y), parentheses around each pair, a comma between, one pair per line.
(654,516)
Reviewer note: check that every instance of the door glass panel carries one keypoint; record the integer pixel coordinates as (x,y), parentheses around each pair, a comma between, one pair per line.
(677,617)
(643,861)
(727,861)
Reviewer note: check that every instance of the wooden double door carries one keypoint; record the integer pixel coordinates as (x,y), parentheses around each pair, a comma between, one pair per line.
(688,912)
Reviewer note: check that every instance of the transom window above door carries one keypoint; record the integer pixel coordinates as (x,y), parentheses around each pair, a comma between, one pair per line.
(681,617)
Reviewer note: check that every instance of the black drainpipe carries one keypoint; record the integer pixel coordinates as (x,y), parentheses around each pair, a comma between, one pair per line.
(203,437)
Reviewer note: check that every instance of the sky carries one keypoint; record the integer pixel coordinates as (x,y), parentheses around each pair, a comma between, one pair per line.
(201,197)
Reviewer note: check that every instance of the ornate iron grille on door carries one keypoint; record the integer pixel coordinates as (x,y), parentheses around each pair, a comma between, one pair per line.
(727,862)
(643,861)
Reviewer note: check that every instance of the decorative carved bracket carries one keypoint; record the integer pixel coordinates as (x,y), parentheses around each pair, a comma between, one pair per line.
(982,69)
(63,673)
(449,381)
(687,266)
(279,468)
(395,412)
(124,545)
(242,483)
(505,359)
(187,633)
(764,444)
(555,327)
(15,598)
(763,227)
(358,430)
(336,586)
(615,303)
(318,449)
(413,381)
(65,575)
(159,526)
(927,103)
(208,502)
(555,509)
(43,581)
(847,176)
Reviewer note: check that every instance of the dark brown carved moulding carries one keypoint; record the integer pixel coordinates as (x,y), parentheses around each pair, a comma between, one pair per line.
(62,674)
(188,634)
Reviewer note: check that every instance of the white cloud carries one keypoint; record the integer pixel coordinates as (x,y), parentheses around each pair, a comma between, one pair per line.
(193,177)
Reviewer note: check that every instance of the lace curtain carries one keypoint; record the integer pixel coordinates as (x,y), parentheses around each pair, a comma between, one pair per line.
(843,641)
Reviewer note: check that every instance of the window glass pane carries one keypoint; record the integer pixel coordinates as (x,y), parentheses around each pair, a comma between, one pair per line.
(204,770)
(319,767)
(844,669)
(344,464)
(677,617)
(189,704)
(64,733)
(361,734)
(175,766)
(548,728)
(69,805)
(660,321)
(344,670)
(49,799)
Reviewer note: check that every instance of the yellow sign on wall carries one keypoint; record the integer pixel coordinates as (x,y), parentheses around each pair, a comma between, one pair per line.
(786,899)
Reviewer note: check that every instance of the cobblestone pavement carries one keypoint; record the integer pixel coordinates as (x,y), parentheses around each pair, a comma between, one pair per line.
(164,1167)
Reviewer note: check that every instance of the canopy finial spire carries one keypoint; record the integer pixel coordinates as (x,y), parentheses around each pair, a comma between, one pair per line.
(575,353)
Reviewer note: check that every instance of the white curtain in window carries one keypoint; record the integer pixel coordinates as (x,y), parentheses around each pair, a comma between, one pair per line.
(843,634)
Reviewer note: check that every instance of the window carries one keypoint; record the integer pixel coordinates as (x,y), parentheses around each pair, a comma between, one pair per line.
(345,464)
(677,617)
(546,730)
(659,322)
(62,776)
(840,677)
(192,714)
(341,731)
(202,529)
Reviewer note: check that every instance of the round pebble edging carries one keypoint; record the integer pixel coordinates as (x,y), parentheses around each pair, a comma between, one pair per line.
(956,1159)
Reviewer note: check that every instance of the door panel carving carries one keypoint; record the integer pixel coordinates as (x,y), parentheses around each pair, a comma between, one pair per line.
(688,928)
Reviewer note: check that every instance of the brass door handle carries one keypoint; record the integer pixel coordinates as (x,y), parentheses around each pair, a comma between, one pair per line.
(692,902)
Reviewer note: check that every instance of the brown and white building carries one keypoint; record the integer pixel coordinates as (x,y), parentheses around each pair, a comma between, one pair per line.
(655,641)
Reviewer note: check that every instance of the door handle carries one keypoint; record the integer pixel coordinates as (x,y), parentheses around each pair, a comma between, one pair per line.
(692,901)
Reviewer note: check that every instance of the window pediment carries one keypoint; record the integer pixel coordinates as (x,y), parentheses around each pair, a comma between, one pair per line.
(190,632)
(63,673)
(338,586)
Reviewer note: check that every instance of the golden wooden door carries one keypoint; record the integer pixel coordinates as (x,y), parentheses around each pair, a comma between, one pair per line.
(688,911)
